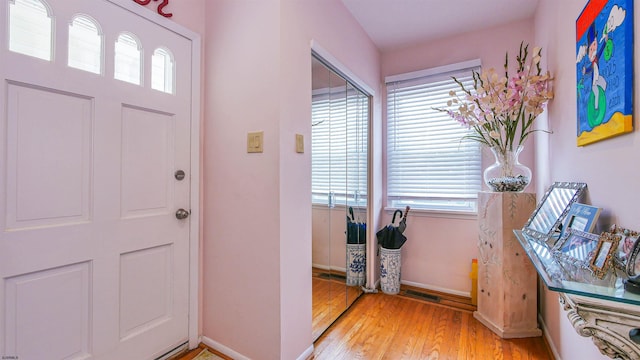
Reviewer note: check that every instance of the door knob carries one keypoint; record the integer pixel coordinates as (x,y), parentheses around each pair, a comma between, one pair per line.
(182,214)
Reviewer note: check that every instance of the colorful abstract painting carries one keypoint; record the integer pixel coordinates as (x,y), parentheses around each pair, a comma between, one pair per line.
(604,67)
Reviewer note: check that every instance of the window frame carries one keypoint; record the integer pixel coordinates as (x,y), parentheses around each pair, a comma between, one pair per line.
(168,73)
(42,34)
(465,207)
(82,66)
(121,59)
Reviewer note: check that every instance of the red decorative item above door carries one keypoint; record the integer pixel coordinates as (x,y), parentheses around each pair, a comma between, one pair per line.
(160,7)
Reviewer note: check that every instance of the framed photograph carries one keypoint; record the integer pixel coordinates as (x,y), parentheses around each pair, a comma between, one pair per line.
(604,70)
(577,247)
(626,246)
(581,217)
(602,259)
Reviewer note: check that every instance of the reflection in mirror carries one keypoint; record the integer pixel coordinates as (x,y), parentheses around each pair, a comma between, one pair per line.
(339,151)
(546,219)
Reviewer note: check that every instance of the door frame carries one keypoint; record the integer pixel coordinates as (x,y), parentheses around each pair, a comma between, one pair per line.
(194,178)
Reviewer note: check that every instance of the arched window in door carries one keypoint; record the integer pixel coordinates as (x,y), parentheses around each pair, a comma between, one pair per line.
(85,44)
(162,70)
(30,24)
(128,59)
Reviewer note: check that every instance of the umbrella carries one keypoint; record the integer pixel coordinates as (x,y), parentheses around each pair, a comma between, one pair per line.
(356,231)
(391,236)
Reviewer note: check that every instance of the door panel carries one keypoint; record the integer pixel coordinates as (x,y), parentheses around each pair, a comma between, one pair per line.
(58,146)
(145,279)
(93,262)
(39,303)
(147,159)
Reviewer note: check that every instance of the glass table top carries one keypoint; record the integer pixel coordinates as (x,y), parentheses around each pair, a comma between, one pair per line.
(572,277)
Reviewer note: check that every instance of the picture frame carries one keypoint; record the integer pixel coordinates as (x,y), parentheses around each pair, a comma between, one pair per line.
(632,267)
(544,223)
(602,258)
(581,217)
(576,247)
(627,258)
(628,244)
(604,70)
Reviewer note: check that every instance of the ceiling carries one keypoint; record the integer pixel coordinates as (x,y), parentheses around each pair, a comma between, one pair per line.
(399,23)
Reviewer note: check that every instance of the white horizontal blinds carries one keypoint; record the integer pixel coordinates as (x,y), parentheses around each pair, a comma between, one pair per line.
(339,146)
(357,145)
(430,164)
(320,147)
(85,45)
(162,70)
(328,145)
(128,59)
(30,28)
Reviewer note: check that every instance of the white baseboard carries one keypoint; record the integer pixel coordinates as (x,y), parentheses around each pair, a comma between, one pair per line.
(237,356)
(436,288)
(545,333)
(306,353)
(327,268)
(223,349)
(321,267)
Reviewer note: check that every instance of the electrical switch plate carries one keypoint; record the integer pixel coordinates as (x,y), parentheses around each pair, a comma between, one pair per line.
(299,144)
(254,142)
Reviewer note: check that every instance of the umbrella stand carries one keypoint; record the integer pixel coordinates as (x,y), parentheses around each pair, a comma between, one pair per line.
(390,261)
(356,251)
(390,240)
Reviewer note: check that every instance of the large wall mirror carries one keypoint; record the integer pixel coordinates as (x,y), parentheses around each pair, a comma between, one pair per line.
(339,152)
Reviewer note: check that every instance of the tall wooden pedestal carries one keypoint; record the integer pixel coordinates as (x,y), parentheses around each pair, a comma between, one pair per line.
(507,281)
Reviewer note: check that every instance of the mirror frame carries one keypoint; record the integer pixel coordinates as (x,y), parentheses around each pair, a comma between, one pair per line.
(540,236)
(349,85)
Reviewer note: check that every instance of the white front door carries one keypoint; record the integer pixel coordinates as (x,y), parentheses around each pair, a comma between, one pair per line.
(93,260)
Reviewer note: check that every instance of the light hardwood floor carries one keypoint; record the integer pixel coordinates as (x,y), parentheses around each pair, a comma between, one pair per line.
(193,353)
(330,299)
(379,326)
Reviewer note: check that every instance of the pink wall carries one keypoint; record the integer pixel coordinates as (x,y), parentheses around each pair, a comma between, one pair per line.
(439,248)
(257,207)
(188,13)
(593,164)
(256,254)
(241,191)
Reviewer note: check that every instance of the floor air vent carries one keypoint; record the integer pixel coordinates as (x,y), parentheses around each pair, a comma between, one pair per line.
(421,296)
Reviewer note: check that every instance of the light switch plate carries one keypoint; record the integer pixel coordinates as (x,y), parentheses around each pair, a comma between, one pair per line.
(299,143)
(254,142)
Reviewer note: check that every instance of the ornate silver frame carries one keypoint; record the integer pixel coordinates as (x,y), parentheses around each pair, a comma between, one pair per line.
(545,221)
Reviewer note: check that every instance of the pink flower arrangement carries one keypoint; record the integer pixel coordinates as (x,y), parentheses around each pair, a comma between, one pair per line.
(501,108)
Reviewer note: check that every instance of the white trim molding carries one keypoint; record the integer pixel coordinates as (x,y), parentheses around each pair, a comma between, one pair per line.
(223,349)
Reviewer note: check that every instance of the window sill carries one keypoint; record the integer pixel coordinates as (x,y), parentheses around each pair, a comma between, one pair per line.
(462,215)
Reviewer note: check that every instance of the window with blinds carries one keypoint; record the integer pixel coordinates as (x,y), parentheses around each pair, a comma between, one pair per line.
(30,28)
(85,45)
(162,70)
(430,163)
(128,59)
(339,146)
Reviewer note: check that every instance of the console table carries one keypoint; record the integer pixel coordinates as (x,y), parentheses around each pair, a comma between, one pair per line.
(597,308)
